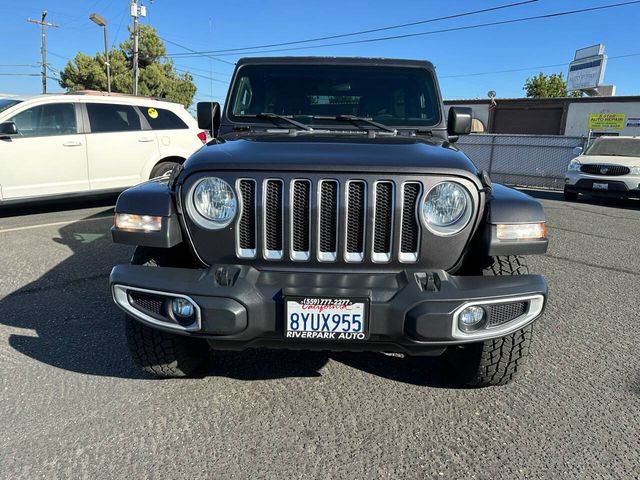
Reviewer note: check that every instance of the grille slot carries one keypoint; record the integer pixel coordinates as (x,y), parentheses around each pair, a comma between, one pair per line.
(328,221)
(505,312)
(605,170)
(382,221)
(273,208)
(410,230)
(246,239)
(147,301)
(356,202)
(300,219)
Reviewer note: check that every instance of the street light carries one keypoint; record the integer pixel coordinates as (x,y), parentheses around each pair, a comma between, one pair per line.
(101,22)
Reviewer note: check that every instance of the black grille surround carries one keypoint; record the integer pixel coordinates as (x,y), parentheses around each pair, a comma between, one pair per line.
(247,223)
(605,169)
(273,212)
(351,200)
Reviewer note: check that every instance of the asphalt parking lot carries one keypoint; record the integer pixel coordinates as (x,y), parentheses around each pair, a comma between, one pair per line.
(73,405)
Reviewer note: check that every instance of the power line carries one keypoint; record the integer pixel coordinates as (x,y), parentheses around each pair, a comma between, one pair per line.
(202,70)
(194,51)
(477,74)
(13,74)
(59,56)
(201,76)
(380,29)
(432,32)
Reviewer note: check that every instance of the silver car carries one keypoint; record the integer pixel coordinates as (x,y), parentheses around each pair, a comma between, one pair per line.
(610,166)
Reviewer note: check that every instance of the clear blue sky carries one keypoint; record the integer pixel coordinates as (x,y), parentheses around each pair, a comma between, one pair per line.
(214,25)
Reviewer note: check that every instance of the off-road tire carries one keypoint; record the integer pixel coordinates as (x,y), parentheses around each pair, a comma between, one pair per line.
(498,361)
(163,168)
(164,354)
(158,352)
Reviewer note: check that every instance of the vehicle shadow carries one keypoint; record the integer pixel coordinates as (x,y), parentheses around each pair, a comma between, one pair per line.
(61,205)
(556,195)
(66,318)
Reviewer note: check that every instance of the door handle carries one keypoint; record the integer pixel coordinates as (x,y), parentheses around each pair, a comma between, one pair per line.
(146,139)
(72,144)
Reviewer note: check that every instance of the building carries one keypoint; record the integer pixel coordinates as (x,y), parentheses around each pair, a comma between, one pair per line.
(569,116)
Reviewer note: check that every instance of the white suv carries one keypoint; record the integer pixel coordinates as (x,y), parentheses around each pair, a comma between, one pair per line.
(56,145)
(609,167)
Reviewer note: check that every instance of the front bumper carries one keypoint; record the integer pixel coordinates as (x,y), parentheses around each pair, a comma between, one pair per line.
(625,186)
(412,312)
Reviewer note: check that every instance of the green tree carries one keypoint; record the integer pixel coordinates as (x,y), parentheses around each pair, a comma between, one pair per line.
(543,86)
(157,75)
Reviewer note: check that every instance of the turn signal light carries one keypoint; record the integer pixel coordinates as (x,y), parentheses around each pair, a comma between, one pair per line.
(144,223)
(525,231)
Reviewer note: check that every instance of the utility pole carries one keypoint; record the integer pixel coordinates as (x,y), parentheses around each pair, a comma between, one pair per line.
(43,48)
(135,13)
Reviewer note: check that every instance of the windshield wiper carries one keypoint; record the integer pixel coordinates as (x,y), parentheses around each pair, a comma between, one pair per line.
(275,116)
(355,119)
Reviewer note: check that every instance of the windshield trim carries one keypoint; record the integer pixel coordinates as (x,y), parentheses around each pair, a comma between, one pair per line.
(228,118)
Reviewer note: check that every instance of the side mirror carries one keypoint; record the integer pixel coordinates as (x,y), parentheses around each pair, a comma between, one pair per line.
(459,122)
(8,128)
(209,117)
(577,151)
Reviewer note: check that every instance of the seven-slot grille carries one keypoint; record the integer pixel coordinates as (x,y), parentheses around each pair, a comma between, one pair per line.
(607,170)
(327,220)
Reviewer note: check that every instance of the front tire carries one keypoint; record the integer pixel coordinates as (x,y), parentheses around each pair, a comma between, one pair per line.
(164,354)
(498,361)
(162,169)
(158,352)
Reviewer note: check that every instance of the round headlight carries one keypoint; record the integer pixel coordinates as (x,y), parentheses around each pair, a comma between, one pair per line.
(214,202)
(447,208)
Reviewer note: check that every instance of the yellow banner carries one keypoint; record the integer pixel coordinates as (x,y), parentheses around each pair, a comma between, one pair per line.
(606,121)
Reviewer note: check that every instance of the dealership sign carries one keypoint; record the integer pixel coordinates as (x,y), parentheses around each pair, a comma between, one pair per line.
(606,121)
(587,69)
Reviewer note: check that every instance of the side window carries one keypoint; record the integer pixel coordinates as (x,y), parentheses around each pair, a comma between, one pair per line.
(45,120)
(107,117)
(161,119)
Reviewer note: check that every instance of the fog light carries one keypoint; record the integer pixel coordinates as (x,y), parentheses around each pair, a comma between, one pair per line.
(182,308)
(471,317)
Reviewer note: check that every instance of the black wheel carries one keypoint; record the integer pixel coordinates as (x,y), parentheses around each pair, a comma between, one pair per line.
(163,168)
(158,352)
(570,196)
(497,361)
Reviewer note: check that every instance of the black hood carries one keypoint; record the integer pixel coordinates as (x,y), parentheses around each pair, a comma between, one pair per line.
(332,153)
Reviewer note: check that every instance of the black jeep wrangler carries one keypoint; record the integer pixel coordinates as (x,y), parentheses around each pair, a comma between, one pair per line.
(331,211)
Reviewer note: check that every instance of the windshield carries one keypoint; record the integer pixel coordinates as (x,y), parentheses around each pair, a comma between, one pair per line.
(7,102)
(627,147)
(399,96)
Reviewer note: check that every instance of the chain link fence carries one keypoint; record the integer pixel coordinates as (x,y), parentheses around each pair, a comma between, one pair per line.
(528,160)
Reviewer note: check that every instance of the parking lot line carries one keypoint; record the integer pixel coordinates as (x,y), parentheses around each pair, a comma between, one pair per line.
(54,224)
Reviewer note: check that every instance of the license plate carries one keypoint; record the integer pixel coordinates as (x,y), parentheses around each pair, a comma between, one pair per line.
(314,318)
(600,186)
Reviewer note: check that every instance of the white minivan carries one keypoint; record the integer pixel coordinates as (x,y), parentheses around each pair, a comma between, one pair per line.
(89,143)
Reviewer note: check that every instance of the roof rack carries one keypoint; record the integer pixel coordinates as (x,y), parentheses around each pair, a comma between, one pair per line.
(101,93)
